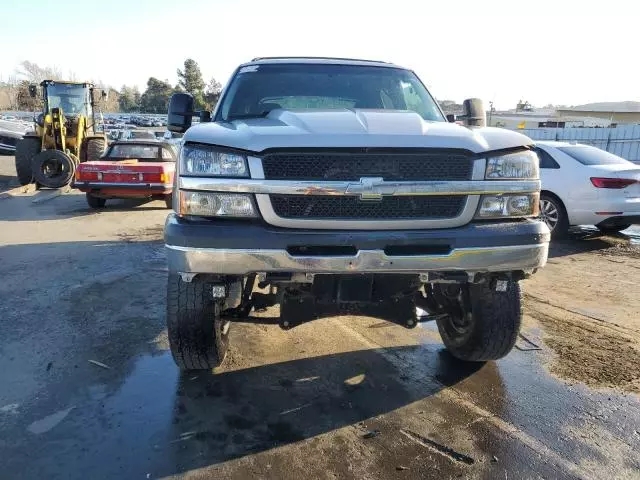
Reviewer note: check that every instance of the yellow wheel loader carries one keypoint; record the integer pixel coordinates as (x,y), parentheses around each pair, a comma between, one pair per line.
(65,135)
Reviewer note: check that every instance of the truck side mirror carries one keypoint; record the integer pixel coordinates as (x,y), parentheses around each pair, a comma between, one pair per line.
(180,112)
(474,113)
(33,91)
(451,118)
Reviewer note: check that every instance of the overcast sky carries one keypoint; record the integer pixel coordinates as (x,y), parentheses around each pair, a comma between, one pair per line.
(560,52)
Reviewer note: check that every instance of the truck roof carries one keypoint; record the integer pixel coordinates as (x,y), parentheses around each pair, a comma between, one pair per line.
(320,60)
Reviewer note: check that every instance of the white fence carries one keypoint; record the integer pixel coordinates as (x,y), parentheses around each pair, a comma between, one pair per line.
(623,140)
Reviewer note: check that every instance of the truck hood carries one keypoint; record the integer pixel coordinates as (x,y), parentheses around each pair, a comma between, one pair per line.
(350,128)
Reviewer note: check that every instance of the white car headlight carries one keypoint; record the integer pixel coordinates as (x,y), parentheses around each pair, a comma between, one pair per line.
(202,160)
(513,166)
(210,204)
(505,206)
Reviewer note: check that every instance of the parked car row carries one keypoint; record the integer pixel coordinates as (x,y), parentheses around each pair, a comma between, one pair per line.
(143,121)
(136,120)
(132,134)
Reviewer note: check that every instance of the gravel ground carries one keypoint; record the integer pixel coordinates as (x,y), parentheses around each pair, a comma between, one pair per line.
(89,389)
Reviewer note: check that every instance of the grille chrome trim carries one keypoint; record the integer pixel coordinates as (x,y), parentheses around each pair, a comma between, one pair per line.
(293,187)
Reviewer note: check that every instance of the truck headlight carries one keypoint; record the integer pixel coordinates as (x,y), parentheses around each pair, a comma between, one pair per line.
(504,206)
(202,160)
(513,166)
(211,204)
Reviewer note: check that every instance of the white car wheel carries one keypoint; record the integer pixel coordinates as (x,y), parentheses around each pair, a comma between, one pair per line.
(553,214)
(549,213)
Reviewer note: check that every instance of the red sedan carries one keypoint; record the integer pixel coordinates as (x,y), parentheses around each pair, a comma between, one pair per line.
(129,169)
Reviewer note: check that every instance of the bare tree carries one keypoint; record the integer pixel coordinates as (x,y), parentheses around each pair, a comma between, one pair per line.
(34,73)
(212,93)
(11,89)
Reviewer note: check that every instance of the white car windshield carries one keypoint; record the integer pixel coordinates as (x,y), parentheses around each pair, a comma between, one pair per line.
(257,89)
(587,155)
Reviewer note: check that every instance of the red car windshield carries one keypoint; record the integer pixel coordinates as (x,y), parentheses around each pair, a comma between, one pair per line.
(148,153)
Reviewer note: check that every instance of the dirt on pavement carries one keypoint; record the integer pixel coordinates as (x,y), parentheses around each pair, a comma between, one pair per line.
(587,302)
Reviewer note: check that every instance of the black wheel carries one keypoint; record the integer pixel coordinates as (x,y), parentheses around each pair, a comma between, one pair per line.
(612,228)
(95,148)
(26,149)
(96,202)
(554,215)
(168,201)
(198,335)
(53,168)
(488,328)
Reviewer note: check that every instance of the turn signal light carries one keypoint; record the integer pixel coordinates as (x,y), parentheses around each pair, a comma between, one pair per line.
(603,182)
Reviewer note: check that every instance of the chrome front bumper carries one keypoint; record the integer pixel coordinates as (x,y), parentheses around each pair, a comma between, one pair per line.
(244,261)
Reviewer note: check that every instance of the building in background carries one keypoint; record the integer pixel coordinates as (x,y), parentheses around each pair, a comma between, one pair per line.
(619,113)
(526,116)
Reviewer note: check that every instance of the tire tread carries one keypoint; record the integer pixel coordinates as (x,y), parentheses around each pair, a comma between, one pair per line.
(497,320)
(190,324)
(26,149)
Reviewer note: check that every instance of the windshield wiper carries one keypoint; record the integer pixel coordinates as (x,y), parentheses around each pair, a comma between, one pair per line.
(241,116)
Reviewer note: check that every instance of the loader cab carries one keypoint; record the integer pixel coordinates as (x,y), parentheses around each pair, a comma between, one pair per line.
(73,98)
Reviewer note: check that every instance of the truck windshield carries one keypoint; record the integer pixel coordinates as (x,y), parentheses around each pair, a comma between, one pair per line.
(72,99)
(257,89)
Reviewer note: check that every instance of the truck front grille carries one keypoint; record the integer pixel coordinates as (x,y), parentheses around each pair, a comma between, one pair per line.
(351,207)
(399,165)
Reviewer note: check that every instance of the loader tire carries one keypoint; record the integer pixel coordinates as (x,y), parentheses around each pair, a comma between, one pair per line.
(491,329)
(95,148)
(53,168)
(198,336)
(26,149)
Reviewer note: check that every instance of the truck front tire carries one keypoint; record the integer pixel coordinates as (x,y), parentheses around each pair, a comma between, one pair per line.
(198,335)
(490,330)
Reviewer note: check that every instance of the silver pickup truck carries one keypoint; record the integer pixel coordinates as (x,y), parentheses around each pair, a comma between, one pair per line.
(328,186)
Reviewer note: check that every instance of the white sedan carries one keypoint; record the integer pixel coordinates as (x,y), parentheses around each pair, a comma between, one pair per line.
(584,185)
